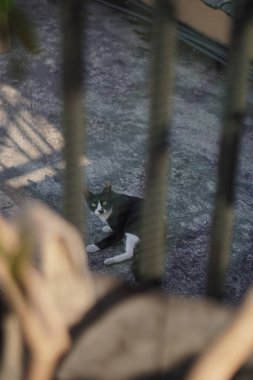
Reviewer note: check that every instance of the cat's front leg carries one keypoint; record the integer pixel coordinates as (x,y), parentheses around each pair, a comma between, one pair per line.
(104,243)
(107,229)
(92,248)
(119,258)
(131,241)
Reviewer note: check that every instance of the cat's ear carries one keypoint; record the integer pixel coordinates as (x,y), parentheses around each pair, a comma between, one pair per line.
(87,193)
(107,187)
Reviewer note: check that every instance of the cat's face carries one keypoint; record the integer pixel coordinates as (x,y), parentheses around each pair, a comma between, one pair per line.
(101,203)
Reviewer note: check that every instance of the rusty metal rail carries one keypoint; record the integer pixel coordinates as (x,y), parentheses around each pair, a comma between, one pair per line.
(149,264)
(235,103)
(73,18)
(151,261)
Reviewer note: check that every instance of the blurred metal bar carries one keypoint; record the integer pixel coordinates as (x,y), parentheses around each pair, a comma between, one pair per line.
(150,261)
(234,110)
(73,117)
(5,43)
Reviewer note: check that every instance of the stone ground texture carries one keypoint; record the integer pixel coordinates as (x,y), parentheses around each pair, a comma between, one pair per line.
(117,104)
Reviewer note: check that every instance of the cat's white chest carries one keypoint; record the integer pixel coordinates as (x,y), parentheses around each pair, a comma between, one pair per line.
(105,216)
(107,229)
(101,213)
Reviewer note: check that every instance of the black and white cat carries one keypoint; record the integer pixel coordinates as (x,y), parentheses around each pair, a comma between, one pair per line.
(121,215)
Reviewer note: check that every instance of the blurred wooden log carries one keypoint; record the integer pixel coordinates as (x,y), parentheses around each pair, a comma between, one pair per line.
(58,250)
(12,348)
(130,333)
(227,354)
(42,325)
(49,298)
(147,336)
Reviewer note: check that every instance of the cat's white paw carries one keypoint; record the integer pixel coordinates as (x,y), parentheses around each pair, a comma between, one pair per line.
(92,248)
(110,261)
(107,229)
(119,258)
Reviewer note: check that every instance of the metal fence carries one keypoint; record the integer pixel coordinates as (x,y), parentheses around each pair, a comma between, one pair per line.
(150,262)
(38,335)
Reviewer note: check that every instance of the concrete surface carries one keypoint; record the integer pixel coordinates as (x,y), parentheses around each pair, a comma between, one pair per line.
(117,103)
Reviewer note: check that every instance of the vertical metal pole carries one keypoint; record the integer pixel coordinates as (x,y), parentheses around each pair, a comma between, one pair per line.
(73,117)
(4,32)
(150,262)
(234,109)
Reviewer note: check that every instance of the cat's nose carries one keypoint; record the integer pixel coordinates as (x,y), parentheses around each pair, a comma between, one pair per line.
(101,211)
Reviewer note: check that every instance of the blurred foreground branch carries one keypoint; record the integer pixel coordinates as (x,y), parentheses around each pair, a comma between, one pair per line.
(230,351)
(49,293)
(45,282)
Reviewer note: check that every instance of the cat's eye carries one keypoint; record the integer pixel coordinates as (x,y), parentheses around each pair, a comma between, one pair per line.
(104,203)
(93,204)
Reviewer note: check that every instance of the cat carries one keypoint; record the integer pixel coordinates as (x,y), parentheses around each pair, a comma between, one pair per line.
(121,215)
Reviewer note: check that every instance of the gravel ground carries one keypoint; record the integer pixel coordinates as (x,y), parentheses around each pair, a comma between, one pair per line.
(117,104)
